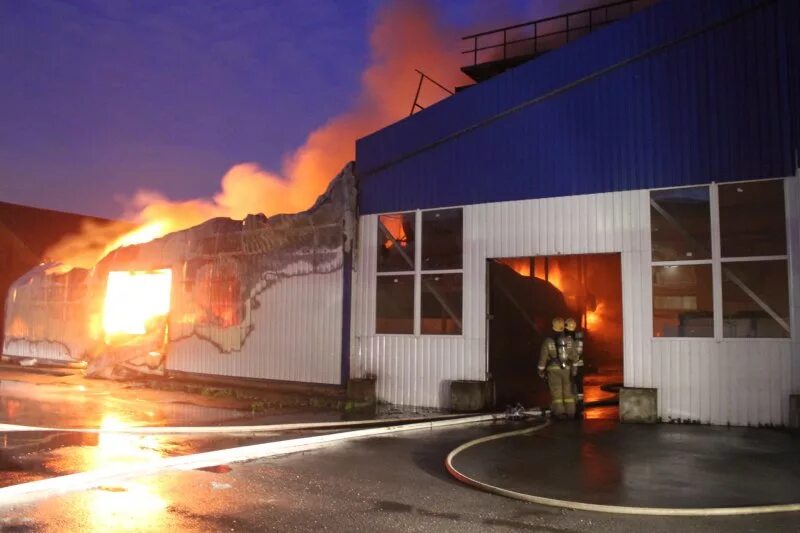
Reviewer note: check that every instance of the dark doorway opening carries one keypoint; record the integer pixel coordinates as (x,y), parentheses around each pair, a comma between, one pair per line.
(525,294)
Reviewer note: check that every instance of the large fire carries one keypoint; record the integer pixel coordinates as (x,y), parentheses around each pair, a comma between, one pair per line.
(406,36)
(551,270)
(142,234)
(522,266)
(134,299)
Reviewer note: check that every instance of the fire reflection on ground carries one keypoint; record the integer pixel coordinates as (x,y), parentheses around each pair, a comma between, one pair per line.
(131,505)
(593,392)
(134,506)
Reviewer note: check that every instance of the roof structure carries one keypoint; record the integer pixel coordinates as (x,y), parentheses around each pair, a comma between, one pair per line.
(681,93)
(26,233)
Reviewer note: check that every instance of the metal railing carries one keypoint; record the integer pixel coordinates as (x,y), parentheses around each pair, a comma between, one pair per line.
(539,36)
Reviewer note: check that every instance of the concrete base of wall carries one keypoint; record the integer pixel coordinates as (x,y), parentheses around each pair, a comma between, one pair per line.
(638,405)
(361,391)
(794,411)
(470,396)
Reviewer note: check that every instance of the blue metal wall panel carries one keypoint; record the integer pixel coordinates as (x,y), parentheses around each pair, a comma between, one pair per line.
(713,106)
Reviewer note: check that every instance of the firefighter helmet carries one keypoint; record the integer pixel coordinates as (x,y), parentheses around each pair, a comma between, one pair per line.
(558,324)
(570,324)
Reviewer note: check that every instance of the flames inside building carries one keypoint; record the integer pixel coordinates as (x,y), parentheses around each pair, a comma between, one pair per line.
(527,293)
(195,295)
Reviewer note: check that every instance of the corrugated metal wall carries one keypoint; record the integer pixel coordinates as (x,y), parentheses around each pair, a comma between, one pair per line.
(683,93)
(297,336)
(51,351)
(736,381)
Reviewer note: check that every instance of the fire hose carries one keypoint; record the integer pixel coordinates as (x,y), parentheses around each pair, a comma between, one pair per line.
(237,430)
(599,508)
(36,490)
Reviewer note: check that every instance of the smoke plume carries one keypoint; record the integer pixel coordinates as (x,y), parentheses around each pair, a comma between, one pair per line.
(406,36)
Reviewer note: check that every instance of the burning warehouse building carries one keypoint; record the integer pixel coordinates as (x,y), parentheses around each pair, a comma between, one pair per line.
(647,170)
(227,297)
(640,176)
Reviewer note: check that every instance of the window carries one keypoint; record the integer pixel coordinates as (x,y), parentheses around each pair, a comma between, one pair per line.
(752,220)
(745,274)
(681,224)
(419,280)
(441,304)
(442,240)
(396,242)
(682,301)
(395,304)
(755,300)
(755,273)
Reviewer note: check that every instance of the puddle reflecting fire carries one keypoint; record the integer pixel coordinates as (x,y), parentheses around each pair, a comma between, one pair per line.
(130,505)
(115,448)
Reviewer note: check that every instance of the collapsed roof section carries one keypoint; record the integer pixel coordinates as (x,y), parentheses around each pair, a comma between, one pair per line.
(218,270)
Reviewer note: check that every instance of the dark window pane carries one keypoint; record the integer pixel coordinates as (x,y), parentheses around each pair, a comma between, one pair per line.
(441,304)
(396,242)
(751,219)
(682,301)
(755,299)
(680,224)
(441,239)
(394,304)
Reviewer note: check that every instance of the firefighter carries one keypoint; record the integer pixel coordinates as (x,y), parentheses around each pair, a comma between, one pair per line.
(571,328)
(554,362)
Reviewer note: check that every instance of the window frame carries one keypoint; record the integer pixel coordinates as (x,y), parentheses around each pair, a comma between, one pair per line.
(418,272)
(717,261)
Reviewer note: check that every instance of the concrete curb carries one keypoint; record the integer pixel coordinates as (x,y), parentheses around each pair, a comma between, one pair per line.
(599,508)
(37,490)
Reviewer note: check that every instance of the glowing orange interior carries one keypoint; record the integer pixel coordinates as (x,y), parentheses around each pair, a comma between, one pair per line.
(135,298)
(394,225)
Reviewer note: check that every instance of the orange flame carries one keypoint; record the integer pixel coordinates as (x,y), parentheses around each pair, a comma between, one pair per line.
(142,234)
(133,300)
(520,265)
(554,276)
(406,36)
(394,225)
(557,278)
(595,318)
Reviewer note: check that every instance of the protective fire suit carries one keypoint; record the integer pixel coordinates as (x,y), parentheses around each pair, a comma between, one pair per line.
(554,360)
(577,371)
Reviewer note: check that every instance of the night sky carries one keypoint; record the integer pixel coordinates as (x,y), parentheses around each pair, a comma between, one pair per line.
(99,99)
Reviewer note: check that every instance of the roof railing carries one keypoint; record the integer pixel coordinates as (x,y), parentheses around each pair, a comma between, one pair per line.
(541,35)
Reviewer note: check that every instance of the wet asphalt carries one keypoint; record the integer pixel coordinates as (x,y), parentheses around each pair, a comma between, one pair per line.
(395,483)
(30,456)
(379,484)
(661,465)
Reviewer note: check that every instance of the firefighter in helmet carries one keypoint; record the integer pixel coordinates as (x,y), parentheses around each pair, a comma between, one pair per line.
(571,329)
(554,363)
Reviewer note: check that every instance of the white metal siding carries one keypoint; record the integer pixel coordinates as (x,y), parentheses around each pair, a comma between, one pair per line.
(51,351)
(731,381)
(296,336)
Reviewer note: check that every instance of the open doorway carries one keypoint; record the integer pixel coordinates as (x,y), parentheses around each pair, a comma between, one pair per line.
(525,294)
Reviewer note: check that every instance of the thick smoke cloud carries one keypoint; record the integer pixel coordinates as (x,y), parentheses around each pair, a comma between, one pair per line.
(406,36)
